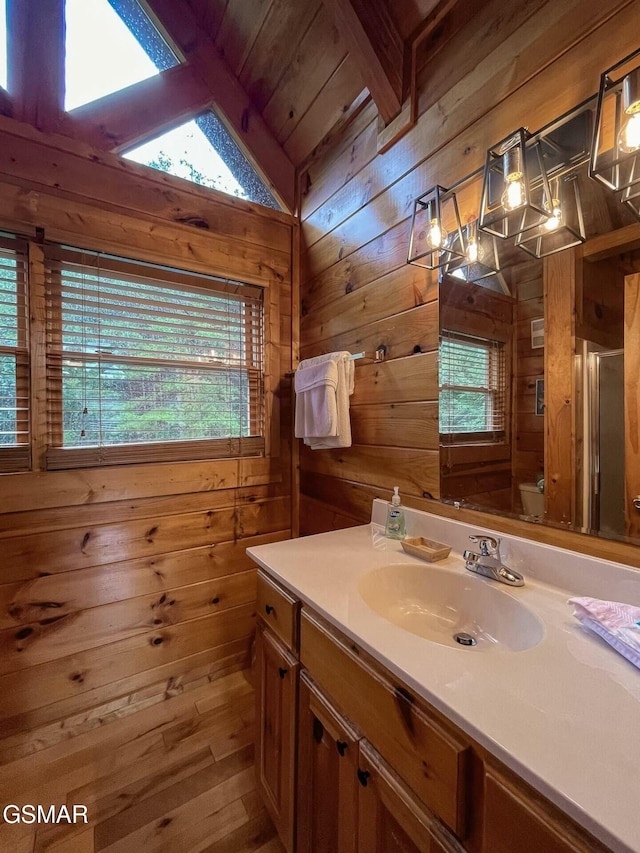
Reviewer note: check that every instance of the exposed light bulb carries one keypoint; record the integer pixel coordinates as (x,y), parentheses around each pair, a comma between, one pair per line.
(553,207)
(437,235)
(473,250)
(555,220)
(629,136)
(513,196)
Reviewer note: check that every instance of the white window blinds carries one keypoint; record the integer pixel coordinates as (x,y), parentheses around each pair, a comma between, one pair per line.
(14,358)
(150,364)
(472,387)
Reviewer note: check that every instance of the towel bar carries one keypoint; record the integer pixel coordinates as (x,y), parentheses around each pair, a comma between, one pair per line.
(378,355)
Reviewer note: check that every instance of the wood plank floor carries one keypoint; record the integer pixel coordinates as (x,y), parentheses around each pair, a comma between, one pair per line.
(177,777)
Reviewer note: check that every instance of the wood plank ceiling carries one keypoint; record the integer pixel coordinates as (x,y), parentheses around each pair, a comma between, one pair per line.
(282,73)
(298,62)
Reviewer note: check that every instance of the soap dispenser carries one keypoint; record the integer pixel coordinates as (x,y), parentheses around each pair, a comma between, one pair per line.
(395,527)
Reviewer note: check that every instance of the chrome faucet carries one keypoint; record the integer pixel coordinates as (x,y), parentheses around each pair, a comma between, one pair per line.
(489,563)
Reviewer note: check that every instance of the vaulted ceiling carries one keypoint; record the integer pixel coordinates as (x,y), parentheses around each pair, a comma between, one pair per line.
(281,73)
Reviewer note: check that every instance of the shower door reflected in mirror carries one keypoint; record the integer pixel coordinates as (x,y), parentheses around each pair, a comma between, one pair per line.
(604,480)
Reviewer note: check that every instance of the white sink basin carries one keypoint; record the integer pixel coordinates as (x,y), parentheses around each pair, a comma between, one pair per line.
(438,603)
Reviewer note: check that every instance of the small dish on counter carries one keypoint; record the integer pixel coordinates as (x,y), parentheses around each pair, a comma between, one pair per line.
(425,549)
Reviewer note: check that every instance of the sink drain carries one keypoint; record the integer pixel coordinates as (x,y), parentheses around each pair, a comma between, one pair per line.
(465,639)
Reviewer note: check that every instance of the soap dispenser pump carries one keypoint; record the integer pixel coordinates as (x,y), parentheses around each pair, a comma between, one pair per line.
(395,527)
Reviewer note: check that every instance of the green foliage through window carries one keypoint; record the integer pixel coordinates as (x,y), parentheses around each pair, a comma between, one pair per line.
(140,357)
(472,385)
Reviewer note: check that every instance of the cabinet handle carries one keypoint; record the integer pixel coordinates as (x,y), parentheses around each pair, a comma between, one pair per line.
(341,746)
(282,671)
(636,502)
(318,730)
(268,609)
(363,777)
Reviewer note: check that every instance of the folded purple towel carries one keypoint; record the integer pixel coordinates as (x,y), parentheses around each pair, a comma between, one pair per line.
(615,622)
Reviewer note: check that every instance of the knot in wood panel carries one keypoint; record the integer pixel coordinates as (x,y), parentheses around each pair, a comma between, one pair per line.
(404,703)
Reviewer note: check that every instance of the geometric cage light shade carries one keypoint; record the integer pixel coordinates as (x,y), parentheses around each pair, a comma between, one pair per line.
(564,226)
(631,198)
(615,150)
(513,169)
(436,234)
(481,259)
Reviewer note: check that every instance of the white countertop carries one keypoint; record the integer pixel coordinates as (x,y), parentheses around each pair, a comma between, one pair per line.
(564,715)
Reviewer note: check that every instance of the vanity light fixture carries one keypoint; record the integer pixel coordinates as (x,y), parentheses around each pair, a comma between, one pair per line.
(564,226)
(480,255)
(615,151)
(507,205)
(436,234)
(631,198)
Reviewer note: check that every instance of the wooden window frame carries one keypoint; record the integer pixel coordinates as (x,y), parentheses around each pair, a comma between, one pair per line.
(499,395)
(48,456)
(17,457)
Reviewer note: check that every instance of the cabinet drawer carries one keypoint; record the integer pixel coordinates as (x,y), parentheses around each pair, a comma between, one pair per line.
(432,760)
(279,610)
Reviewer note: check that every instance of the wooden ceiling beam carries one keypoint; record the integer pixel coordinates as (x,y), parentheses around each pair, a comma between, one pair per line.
(139,112)
(377,47)
(35,61)
(241,118)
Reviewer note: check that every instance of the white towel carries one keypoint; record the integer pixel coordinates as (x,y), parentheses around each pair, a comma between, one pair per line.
(323,385)
(316,402)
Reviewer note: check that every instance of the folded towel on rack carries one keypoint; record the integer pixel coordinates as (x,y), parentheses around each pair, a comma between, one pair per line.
(615,622)
(316,382)
(323,385)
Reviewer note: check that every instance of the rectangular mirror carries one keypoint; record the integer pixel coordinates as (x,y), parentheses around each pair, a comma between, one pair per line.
(539,366)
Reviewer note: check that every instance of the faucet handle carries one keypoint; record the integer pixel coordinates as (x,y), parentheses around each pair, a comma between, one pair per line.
(489,545)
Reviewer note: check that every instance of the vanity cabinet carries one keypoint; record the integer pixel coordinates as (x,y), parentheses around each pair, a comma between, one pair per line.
(434,760)
(327,797)
(276,688)
(350,760)
(515,819)
(351,801)
(390,818)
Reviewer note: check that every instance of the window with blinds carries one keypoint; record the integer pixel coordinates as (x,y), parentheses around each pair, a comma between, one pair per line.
(14,356)
(472,388)
(149,364)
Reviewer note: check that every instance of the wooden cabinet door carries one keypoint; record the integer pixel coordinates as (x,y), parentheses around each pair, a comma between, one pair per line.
(391,716)
(276,703)
(516,819)
(327,798)
(390,819)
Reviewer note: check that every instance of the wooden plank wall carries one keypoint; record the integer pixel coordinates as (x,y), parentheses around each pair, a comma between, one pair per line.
(528,435)
(519,64)
(124,586)
(479,474)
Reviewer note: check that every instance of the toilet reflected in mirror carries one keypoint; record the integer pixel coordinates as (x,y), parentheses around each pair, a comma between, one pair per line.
(532,501)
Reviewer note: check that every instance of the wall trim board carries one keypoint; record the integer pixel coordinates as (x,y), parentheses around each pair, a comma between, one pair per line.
(40,490)
(183,194)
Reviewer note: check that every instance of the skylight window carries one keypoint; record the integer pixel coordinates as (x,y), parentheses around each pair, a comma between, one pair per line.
(3,44)
(110,44)
(113,44)
(203,152)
